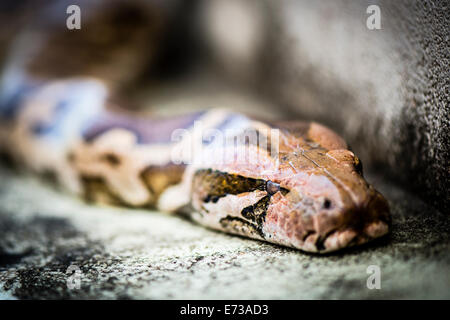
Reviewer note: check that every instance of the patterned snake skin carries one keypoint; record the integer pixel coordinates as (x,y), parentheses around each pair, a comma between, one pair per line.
(302,189)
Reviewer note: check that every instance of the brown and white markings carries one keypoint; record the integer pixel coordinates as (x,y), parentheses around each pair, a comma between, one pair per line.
(315,198)
(311,195)
(305,189)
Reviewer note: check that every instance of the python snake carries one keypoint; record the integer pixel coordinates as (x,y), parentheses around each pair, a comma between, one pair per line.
(302,189)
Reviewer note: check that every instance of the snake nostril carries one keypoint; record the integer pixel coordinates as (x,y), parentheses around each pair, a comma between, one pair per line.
(327,203)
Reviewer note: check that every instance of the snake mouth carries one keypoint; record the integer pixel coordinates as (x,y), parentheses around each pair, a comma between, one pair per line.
(351,237)
(338,239)
(370,220)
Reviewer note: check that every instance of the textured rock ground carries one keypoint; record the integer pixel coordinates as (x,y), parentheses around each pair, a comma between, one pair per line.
(126,253)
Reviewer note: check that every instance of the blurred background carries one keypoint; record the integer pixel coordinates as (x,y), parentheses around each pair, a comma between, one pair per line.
(386,90)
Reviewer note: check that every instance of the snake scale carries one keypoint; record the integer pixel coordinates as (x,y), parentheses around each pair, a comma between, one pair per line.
(302,188)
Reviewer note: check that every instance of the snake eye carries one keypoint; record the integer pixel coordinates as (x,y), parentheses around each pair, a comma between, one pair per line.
(272,187)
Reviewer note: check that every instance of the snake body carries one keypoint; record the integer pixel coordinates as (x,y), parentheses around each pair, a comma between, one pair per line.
(311,195)
(301,188)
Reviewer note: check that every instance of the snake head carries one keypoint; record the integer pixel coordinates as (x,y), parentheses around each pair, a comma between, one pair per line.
(318,214)
(313,198)
(329,205)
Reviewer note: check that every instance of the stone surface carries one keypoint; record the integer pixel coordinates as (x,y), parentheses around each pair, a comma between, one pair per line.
(138,254)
